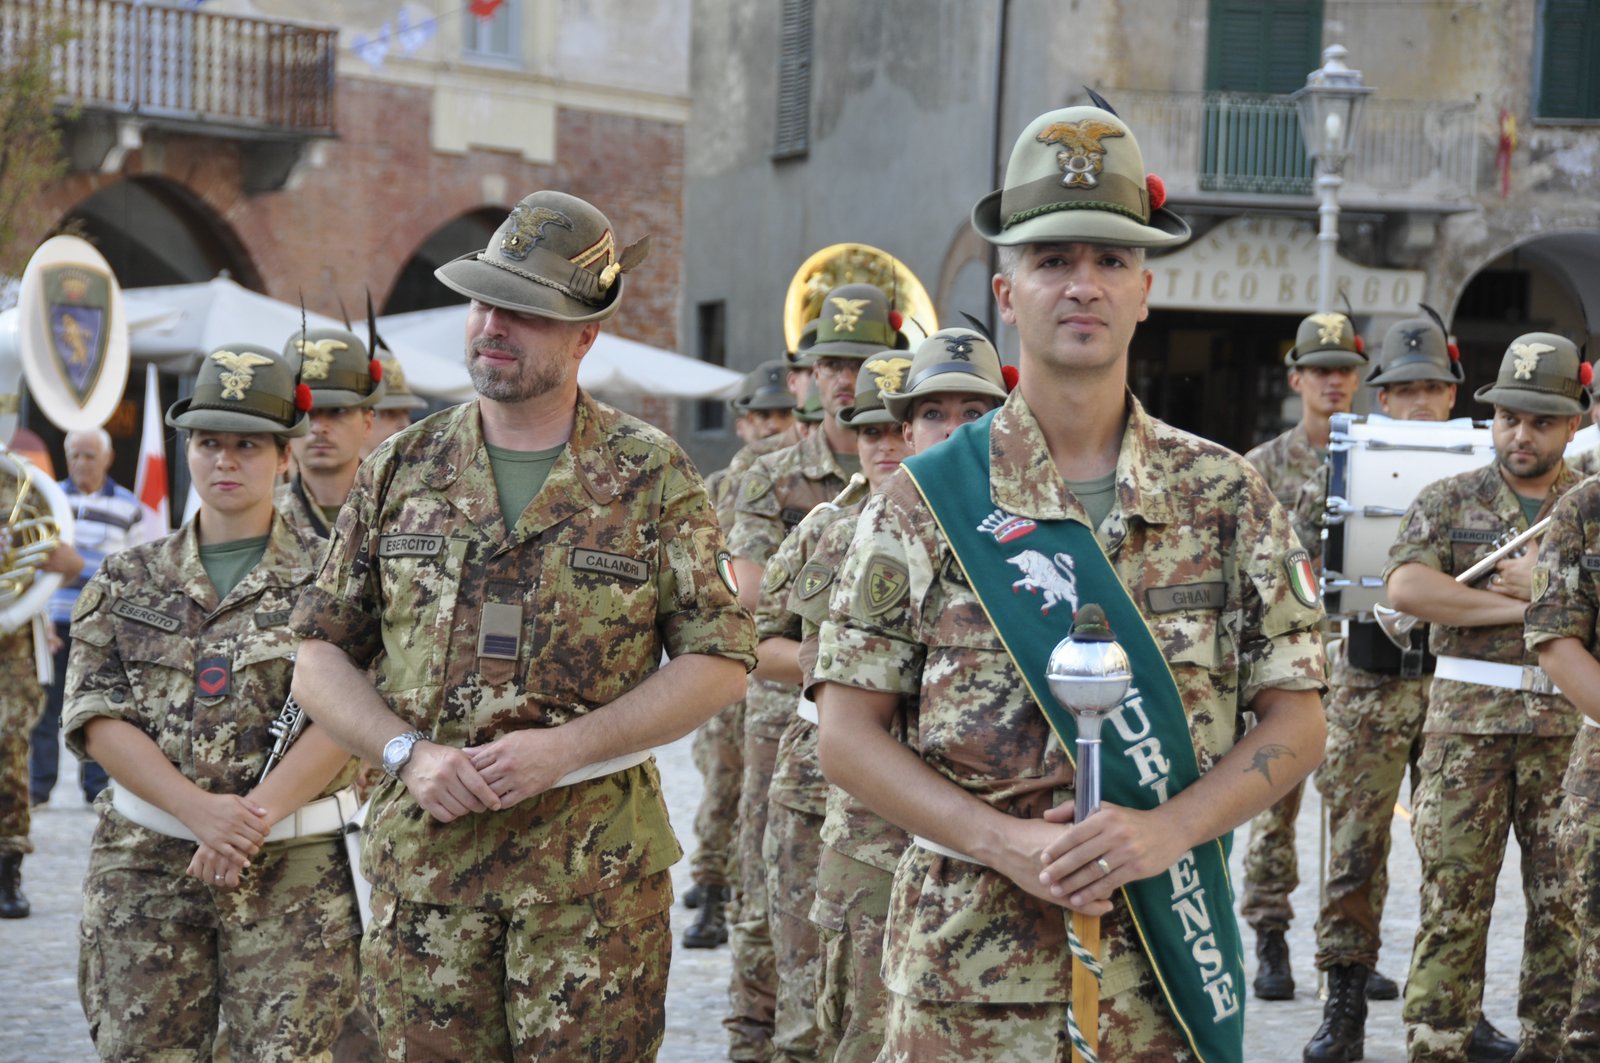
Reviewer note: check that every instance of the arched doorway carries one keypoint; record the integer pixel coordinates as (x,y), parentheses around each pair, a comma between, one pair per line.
(153,231)
(416,288)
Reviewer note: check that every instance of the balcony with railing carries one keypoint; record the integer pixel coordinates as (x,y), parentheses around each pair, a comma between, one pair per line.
(1246,148)
(172,66)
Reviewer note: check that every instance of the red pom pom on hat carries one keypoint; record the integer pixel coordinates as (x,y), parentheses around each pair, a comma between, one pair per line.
(1585,374)
(302,398)
(1455,352)
(1361,346)
(1009,374)
(375,367)
(896,319)
(1158,190)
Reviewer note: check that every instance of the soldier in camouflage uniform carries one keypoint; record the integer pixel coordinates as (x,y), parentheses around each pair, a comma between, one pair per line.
(775,494)
(215,896)
(345,387)
(797,796)
(392,413)
(1560,625)
(1324,366)
(512,570)
(764,409)
(975,955)
(1497,737)
(954,378)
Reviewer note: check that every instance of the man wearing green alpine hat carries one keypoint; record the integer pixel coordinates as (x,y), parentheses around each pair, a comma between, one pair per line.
(1497,735)
(512,572)
(392,413)
(1324,366)
(966,571)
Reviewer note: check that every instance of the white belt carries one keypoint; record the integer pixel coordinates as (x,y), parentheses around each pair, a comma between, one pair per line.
(1530,678)
(806,710)
(326,815)
(934,847)
(604,767)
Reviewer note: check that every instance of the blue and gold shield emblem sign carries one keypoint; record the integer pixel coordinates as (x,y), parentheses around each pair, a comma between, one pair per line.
(78,304)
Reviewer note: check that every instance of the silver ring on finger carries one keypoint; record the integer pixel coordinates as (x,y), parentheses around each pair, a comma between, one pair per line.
(1105,868)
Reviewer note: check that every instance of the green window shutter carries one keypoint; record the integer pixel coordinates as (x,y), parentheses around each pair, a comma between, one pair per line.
(793,135)
(1266,46)
(1569,69)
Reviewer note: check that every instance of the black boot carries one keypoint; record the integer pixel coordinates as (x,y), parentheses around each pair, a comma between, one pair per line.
(710,926)
(691,897)
(1489,1045)
(1381,987)
(1274,980)
(13,905)
(1342,1036)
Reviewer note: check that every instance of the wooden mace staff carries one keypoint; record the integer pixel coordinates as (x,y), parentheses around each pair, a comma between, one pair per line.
(1089,675)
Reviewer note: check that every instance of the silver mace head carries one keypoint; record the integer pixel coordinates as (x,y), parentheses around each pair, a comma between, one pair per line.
(1089,675)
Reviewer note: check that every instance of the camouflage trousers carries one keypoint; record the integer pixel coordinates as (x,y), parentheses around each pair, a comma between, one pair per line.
(21,702)
(851,908)
(1135,1027)
(752,991)
(1271,870)
(1374,733)
(1579,836)
(579,979)
(165,960)
(718,751)
(790,852)
(1472,789)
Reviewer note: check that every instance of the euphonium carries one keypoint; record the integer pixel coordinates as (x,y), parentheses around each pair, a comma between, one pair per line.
(38,518)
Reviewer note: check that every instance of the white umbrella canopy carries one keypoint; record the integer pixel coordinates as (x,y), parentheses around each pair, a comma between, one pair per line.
(175,325)
(612,364)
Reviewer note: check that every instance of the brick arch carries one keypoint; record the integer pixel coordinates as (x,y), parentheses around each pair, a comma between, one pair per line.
(411,286)
(156,230)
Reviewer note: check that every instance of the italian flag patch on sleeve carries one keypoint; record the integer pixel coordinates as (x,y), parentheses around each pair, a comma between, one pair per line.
(1302,577)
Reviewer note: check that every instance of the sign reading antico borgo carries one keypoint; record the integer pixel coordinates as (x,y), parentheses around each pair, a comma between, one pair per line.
(1270,265)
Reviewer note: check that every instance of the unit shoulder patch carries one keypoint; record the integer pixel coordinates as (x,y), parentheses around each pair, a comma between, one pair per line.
(884,585)
(814,579)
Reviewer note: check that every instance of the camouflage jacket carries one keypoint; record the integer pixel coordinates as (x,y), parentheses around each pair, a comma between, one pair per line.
(1453,523)
(726,494)
(1298,478)
(153,646)
(1205,552)
(296,506)
(1586,464)
(777,492)
(1566,601)
(615,560)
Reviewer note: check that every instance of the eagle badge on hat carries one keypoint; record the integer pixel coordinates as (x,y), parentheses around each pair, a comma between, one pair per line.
(1081,155)
(1526,357)
(890,372)
(959,348)
(240,371)
(849,313)
(527,229)
(317,356)
(1329,327)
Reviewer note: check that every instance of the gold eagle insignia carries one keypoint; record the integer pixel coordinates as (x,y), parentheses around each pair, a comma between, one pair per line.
(1525,358)
(1329,327)
(239,371)
(849,313)
(889,372)
(1082,153)
(317,357)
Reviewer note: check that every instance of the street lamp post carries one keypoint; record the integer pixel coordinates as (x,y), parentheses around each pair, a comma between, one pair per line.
(1330,110)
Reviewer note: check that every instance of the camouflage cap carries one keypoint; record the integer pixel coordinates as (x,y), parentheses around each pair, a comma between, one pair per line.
(810,411)
(801,357)
(951,360)
(397,394)
(245,388)
(875,375)
(334,364)
(554,256)
(1541,373)
(1326,341)
(855,323)
(1076,175)
(1416,349)
(765,388)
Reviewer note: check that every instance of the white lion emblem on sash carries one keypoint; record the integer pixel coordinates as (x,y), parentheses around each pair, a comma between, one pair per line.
(1055,578)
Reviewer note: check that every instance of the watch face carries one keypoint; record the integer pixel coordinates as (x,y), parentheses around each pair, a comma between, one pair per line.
(395,752)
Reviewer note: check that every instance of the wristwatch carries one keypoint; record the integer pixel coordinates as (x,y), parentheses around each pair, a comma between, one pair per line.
(397,752)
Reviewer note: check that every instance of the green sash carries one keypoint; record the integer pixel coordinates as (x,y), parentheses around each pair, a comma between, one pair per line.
(1184,917)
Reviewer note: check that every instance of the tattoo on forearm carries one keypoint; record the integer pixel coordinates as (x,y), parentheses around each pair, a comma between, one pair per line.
(1264,757)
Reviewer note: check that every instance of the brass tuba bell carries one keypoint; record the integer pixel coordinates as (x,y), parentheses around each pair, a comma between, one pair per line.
(38,517)
(840,264)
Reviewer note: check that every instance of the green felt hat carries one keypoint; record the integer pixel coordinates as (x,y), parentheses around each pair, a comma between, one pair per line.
(855,323)
(1541,373)
(765,388)
(1417,349)
(1326,341)
(876,374)
(952,359)
(242,387)
(334,364)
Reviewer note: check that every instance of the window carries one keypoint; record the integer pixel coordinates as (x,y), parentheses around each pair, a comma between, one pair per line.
(1257,52)
(794,81)
(1569,59)
(711,321)
(492,38)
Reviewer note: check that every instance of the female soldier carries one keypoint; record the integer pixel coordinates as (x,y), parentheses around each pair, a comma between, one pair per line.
(215,894)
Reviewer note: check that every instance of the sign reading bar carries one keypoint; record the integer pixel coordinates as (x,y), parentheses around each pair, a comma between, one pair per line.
(1270,265)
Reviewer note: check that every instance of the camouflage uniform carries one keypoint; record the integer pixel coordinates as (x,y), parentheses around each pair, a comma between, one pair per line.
(1566,602)
(973,962)
(1298,478)
(564,894)
(774,495)
(1491,760)
(21,701)
(293,501)
(1586,464)
(163,957)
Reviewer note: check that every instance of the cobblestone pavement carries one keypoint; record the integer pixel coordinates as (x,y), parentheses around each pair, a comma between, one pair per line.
(40,1020)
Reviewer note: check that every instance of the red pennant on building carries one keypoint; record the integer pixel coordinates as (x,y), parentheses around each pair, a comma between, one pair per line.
(484,9)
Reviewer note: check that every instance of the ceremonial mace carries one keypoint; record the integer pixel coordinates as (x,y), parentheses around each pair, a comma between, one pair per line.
(1088,674)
